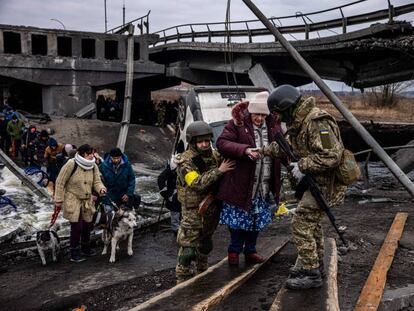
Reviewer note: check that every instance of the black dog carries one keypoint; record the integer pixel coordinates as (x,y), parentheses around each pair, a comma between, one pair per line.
(48,240)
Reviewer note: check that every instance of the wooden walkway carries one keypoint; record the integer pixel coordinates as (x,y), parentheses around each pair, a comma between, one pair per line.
(209,288)
(315,299)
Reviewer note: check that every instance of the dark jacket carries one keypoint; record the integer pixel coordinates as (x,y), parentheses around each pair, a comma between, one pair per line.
(167,183)
(237,185)
(118,181)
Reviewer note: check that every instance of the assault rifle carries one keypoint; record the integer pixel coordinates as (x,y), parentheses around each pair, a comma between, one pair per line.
(311,184)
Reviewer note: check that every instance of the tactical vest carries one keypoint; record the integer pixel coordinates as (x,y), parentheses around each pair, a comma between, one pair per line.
(187,196)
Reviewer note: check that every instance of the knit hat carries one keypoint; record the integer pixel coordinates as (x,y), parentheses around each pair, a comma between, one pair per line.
(52,142)
(68,147)
(259,103)
(115,152)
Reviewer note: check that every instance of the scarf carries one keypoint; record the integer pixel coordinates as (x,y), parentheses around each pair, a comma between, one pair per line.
(86,164)
(263,165)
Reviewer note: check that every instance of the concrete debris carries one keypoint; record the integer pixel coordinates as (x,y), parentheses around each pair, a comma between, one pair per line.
(405,43)
(86,111)
(397,299)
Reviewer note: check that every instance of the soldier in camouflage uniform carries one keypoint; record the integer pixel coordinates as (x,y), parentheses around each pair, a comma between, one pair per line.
(198,170)
(315,138)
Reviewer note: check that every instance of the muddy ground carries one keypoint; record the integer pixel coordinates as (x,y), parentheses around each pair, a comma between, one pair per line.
(131,280)
(99,285)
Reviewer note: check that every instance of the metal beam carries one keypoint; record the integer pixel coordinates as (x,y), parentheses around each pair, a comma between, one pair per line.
(126,115)
(27,181)
(398,173)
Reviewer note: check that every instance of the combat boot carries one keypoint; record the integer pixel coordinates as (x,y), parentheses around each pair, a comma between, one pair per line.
(306,279)
(298,270)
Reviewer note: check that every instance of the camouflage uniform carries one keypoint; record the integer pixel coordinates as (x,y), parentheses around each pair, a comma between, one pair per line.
(315,138)
(194,182)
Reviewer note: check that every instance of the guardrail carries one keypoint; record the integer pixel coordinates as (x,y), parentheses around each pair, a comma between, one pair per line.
(186,31)
(142,23)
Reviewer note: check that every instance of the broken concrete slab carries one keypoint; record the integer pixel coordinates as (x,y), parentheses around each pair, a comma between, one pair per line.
(397,299)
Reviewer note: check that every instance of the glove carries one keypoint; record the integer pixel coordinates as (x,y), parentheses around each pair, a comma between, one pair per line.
(295,171)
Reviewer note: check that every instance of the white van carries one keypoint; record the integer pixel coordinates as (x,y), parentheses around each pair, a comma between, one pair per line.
(211,104)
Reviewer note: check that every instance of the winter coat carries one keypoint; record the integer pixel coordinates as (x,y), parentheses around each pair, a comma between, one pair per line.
(75,192)
(15,130)
(120,180)
(167,183)
(50,154)
(236,187)
(40,146)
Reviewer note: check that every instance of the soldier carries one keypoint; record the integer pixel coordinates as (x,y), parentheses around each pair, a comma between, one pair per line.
(314,136)
(198,170)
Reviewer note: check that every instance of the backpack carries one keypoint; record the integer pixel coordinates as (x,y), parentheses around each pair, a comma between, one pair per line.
(348,170)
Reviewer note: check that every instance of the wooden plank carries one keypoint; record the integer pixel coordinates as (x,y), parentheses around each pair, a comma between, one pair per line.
(315,299)
(26,180)
(214,283)
(222,293)
(371,293)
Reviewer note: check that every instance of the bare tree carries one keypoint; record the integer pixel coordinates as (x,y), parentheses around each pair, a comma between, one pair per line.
(387,95)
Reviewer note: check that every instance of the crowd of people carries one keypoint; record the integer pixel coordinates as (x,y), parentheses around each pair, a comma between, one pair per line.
(242,177)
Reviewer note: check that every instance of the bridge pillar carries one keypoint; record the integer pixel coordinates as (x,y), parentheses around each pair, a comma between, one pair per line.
(26,43)
(260,77)
(66,100)
(100,48)
(77,47)
(51,44)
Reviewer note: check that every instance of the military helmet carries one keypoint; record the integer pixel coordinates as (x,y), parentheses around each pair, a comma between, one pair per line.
(282,98)
(198,128)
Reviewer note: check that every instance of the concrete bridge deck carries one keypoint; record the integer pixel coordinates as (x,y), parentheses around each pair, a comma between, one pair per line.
(60,71)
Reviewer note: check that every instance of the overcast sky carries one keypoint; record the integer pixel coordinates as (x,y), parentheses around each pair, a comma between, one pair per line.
(88,15)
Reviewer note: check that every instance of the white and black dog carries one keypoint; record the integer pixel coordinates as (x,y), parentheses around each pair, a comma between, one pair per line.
(122,228)
(48,240)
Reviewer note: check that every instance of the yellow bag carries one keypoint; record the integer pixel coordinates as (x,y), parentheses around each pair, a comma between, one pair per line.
(348,170)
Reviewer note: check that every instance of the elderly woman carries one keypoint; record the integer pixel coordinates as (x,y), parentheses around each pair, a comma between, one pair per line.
(74,186)
(245,190)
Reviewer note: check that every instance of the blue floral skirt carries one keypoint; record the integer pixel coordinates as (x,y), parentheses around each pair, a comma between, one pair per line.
(255,219)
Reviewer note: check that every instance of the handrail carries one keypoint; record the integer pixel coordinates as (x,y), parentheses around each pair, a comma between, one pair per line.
(306,28)
(256,20)
(143,22)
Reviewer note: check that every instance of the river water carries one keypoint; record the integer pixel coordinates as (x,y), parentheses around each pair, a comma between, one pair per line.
(34,214)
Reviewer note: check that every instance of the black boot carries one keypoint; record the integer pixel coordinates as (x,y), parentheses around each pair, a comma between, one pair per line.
(306,279)
(75,255)
(297,271)
(86,250)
